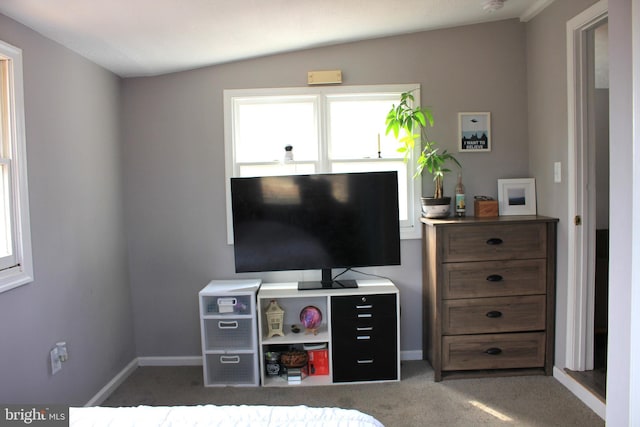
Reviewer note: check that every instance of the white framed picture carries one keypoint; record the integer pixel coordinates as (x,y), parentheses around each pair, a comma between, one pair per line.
(517,196)
(474,132)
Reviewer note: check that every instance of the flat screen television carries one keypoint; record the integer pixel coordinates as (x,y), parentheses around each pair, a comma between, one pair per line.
(320,221)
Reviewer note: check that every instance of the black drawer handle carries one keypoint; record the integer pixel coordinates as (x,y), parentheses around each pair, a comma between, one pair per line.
(494,278)
(494,241)
(493,351)
(494,314)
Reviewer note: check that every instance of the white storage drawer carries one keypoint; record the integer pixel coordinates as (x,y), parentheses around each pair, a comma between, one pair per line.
(225,334)
(228,332)
(226,304)
(230,369)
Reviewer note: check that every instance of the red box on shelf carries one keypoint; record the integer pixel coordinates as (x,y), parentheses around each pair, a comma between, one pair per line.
(318,362)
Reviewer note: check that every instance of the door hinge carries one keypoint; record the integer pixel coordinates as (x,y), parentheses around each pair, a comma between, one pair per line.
(577,220)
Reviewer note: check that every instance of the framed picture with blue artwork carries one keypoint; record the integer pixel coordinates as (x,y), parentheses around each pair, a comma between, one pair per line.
(474,132)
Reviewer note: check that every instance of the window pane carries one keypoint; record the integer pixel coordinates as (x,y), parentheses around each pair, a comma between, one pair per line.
(331,129)
(6,241)
(357,124)
(4,111)
(265,126)
(277,169)
(379,166)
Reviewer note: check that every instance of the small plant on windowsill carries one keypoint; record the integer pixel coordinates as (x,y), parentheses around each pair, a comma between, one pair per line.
(404,121)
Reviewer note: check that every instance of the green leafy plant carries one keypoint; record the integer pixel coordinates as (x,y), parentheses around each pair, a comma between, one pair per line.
(409,124)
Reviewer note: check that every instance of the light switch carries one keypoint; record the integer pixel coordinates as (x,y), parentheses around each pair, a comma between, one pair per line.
(557,172)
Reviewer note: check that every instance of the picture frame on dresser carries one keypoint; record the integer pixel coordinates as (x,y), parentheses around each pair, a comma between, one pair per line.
(517,196)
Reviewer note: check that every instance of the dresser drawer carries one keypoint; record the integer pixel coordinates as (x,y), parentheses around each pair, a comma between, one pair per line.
(494,242)
(364,336)
(492,315)
(494,278)
(493,351)
(363,307)
(376,364)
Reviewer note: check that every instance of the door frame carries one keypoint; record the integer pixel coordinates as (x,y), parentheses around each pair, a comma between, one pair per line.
(581,192)
(634,370)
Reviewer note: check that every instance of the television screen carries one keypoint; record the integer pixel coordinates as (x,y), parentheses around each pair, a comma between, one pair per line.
(321,221)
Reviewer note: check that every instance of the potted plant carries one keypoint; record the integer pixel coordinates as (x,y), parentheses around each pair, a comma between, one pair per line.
(404,121)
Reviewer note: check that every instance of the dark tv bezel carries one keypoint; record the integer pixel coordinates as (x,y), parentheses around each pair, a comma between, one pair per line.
(327,282)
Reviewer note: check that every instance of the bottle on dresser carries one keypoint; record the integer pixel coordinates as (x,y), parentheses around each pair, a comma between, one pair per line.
(460,204)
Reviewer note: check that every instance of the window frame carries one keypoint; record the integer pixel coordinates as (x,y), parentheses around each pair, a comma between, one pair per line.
(21,272)
(411,228)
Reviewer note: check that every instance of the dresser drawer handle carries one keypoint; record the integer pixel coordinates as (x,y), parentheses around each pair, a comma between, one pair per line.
(364,328)
(365,315)
(365,362)
(494,278)
(363,307)
(363,337)
(494,241)
(493,351)
(494,314)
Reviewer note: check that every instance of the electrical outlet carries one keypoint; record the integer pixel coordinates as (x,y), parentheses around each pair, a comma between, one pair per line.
(56,364)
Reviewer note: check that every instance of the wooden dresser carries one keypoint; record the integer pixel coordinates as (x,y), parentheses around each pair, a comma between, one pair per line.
(489,295)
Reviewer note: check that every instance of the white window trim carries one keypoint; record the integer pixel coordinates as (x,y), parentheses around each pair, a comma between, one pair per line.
(410,231)
(22,273)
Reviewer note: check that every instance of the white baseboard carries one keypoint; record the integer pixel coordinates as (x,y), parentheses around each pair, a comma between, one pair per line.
(581,393)
(106,391)
(411,355)
(170,361)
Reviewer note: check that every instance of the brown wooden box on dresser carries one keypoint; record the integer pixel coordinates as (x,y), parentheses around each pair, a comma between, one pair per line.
(489,295)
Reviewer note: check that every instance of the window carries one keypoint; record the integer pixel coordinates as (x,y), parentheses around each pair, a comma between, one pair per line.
(16,267)
(327,129)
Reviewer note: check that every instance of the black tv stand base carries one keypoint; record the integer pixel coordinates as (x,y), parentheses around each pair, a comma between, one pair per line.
(334,284)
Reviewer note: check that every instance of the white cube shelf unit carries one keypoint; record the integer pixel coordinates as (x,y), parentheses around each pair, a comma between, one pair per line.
(228,328)
(360,328)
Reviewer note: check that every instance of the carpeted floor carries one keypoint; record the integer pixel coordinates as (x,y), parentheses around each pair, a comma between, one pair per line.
(415,401)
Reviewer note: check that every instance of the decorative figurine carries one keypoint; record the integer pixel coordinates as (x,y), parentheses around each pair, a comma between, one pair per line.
(275,319)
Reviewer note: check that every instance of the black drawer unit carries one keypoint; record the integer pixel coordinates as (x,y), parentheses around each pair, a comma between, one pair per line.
(364,334)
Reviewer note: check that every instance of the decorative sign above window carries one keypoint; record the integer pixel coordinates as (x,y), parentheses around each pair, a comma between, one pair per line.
(329,77)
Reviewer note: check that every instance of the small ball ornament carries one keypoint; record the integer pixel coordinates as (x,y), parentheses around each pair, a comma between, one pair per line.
(311,318)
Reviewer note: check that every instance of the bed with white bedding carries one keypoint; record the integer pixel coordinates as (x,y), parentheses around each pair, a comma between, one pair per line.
(219,416)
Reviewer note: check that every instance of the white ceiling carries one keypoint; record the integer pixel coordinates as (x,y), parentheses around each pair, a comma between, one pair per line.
(150,37)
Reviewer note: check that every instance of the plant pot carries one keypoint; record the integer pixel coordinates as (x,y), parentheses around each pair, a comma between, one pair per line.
(436,208)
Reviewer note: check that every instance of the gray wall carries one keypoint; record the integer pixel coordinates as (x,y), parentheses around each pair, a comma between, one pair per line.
(548,133)
(81,291)
(174,159)
(602,158)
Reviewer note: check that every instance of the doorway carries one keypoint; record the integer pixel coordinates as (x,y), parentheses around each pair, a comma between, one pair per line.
(589,182)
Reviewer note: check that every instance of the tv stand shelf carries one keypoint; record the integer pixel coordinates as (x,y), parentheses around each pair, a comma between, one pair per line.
(360,327)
